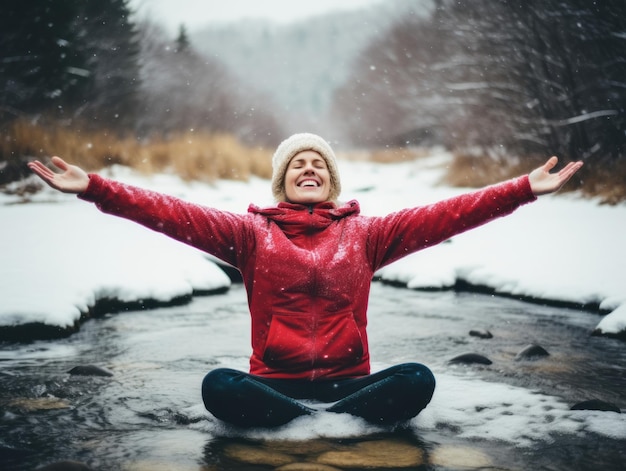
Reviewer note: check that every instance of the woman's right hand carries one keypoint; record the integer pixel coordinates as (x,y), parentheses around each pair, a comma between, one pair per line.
(72,179)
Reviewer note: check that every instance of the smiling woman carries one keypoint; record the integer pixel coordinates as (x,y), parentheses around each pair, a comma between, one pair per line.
(307,264)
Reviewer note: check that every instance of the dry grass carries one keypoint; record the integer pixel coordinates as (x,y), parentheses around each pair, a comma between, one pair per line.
(604,182)
(206,157)
(194,156)
(475,171)
(90,150)
(387,155)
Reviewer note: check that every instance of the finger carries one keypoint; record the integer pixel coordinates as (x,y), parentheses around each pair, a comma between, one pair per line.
(60,163)
(41,170)
(550,164)
(570,169)
(567,173)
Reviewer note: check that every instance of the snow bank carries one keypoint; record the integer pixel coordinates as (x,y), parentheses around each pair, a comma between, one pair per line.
(59,259)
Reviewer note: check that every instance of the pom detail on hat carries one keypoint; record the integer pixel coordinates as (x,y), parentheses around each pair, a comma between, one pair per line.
(292,146)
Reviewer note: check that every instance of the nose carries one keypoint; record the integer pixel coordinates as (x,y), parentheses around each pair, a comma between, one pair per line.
(309,168)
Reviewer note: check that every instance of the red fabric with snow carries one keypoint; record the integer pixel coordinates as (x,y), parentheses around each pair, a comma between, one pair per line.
(307,270)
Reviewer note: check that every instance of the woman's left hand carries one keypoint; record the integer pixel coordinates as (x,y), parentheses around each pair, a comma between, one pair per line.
(543,182)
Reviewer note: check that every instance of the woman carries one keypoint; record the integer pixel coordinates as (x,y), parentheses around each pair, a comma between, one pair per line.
(307,264)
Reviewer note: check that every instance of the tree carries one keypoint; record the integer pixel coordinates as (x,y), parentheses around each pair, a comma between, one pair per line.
(183,44)
(532,77)
(71,59)
(554,73)
(109,39)
(391,96)
(43,69)
(183,91)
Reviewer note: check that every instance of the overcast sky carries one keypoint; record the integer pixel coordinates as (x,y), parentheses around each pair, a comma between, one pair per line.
(194,13)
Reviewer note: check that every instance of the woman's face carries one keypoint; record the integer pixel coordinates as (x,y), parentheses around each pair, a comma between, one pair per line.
(307,179)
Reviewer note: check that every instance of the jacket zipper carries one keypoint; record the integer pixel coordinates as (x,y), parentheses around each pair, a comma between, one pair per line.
(314,313)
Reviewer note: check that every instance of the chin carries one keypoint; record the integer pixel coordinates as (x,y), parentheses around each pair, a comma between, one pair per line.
(300,198)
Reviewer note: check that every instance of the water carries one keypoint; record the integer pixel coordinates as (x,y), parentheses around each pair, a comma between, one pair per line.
(149,414)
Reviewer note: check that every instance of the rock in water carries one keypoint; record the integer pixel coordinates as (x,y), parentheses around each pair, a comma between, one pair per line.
(470,359)
(65,466)
(460,457)
(374,454)
(481,333)
(39,403)
(257,455)
(532,352)
(307,467)
(595,404)
(90,370)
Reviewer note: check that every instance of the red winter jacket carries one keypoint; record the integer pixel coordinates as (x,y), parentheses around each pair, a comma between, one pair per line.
(307,270)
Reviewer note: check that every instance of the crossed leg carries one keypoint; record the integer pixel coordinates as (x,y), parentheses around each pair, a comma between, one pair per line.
(393,395)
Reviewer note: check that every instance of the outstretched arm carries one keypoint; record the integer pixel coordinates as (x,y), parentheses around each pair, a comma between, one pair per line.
(543,182)
(72,179)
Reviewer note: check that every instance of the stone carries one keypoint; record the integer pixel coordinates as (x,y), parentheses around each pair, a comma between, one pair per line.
(39,403)
(374,454)
(65,466)
(90,370)
(306,467)
(470,358)
(257,455)
(299,447)
(532,352)
(596,404)
(481,333)
(151,465)
(459,457)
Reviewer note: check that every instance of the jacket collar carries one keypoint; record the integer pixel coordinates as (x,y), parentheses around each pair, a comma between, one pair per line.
(326,210)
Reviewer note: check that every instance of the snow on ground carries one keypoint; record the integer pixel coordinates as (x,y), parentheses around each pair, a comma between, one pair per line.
(464,405)
(60,254)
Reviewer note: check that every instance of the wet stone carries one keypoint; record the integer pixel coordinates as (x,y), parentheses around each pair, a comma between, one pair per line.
(39,403)
(90,370)
(459,457)
(299,447)
(374,454)
(65,466)
(147,465)
(532,352)
(470,359)
(307,467)
(255,455)
(481,333)
(596,404)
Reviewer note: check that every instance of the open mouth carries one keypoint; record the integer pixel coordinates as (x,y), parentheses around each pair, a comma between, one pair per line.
(309,183)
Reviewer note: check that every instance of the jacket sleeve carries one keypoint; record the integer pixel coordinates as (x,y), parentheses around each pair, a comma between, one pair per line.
(401,233)
(219,233)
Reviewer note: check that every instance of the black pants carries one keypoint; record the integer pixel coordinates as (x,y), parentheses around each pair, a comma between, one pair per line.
(390,396)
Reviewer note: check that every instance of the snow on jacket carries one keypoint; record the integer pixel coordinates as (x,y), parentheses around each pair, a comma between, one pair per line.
(307,269)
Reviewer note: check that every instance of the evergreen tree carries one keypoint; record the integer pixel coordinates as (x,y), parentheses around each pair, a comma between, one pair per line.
(70,59)
(42,68)
(109,40)
(183,45)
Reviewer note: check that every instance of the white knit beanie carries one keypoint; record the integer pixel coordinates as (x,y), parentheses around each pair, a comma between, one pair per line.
(293,145)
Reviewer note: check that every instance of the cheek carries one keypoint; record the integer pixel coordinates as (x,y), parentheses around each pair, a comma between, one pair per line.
(289,179)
